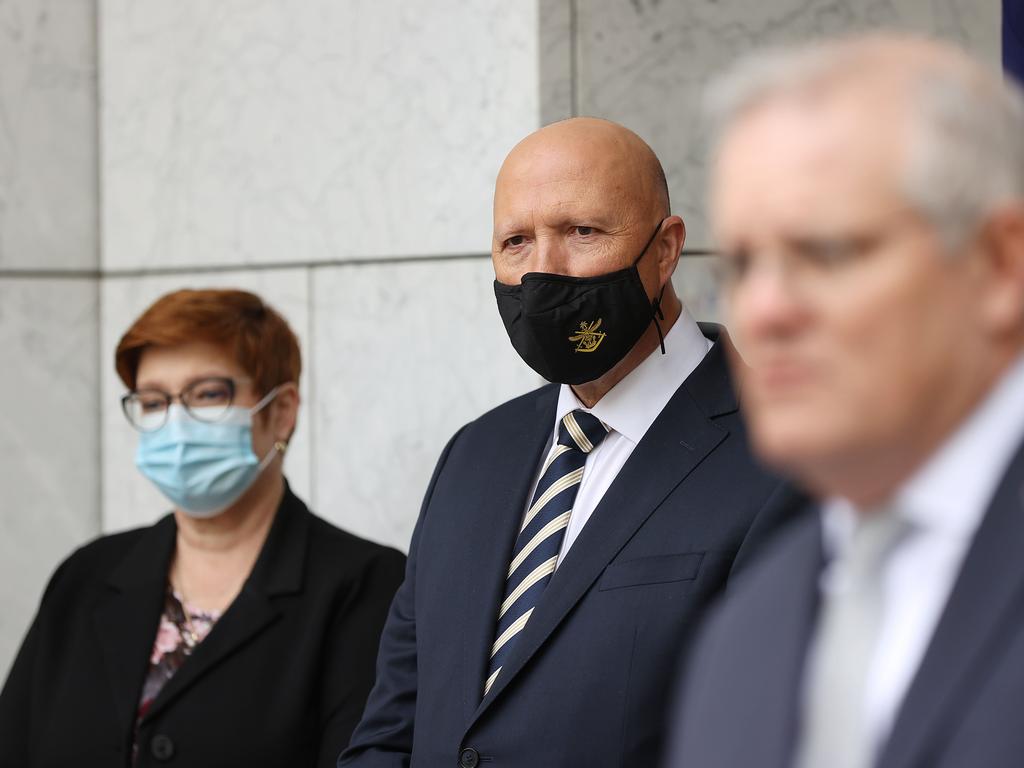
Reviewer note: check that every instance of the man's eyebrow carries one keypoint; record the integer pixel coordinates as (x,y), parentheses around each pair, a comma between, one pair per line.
(503,233)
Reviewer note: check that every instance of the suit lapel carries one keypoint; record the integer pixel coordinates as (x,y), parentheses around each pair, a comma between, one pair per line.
(983,602)
(278,571)
(675,444)
(126,622)
(248,614)
(494,532)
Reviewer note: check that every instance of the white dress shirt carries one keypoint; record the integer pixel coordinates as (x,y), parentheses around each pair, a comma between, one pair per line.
(629,409)
(943,502)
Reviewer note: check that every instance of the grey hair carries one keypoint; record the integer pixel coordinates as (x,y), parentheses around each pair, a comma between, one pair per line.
(966,156)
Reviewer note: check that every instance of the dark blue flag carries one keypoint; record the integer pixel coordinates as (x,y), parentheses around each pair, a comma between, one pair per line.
(1013,38)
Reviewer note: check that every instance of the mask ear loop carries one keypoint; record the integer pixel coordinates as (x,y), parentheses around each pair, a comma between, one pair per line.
(279,445)
(265,400)
(279,448)
(643,253)
(656,313)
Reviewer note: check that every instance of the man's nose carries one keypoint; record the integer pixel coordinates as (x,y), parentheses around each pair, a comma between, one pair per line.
(550,254)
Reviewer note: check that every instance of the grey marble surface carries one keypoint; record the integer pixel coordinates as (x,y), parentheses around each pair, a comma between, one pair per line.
(696,281)
(239,133)
(556,50)
(129,499)
(645,63)
(48,141)
(49,440)
(404,355)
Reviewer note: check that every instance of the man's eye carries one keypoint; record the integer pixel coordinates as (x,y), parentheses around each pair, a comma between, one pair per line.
(515,241)
(734,265)
(584,231)
(827,253)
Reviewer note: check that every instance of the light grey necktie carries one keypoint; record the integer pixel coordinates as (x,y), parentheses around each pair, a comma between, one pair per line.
(834,731)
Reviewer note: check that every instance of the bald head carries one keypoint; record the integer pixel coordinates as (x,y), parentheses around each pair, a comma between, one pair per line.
(580,197)
(600,151)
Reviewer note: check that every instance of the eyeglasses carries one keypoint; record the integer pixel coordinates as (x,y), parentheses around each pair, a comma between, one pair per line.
(205,400)
(806,263)
(813,264)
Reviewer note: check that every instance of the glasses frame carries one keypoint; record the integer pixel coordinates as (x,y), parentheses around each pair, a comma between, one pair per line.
(812,265)
(181,397)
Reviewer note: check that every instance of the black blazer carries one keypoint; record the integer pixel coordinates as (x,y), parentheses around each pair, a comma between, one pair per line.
(962,709)
(279,681)
(588,679)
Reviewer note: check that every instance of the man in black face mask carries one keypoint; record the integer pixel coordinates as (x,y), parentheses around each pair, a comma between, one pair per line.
(571,538)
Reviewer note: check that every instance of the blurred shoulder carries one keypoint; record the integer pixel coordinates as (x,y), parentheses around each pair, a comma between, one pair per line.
(786,565)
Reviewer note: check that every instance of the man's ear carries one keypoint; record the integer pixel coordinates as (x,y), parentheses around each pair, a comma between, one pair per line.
(1001,246)
(670,245)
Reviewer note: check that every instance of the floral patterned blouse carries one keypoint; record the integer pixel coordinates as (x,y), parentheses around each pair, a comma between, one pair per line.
(176,638)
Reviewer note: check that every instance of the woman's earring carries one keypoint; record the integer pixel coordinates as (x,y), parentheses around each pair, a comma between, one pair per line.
(280,446)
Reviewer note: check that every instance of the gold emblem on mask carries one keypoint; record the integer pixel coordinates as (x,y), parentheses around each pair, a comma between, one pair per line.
(588,338)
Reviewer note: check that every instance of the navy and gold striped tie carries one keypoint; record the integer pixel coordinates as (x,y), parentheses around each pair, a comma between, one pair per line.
(540,537)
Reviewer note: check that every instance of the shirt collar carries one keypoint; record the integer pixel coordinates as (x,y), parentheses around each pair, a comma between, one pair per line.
(632,405)
(949,494)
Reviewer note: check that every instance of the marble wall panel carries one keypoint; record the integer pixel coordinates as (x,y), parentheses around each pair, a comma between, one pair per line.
(239,132)
(129,499)
(49,439)
(645,63)
(48,200)
(404,354)
(556,50)
(696,281)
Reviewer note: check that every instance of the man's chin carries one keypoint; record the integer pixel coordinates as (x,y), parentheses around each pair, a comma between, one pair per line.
(791,446)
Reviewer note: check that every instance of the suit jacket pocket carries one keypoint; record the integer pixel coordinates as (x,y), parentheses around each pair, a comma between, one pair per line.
(652,570)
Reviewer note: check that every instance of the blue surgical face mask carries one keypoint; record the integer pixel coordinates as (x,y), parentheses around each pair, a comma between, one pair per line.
(203,468)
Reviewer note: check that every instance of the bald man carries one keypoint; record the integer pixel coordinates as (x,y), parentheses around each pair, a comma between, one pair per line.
(570,539)
(868,197)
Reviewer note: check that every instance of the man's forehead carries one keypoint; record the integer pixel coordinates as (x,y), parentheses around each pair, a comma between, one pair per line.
(842,142)
(556,177)
(855,116)
(561,162)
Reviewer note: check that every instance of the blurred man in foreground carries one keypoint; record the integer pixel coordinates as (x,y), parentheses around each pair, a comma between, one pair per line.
(867,196)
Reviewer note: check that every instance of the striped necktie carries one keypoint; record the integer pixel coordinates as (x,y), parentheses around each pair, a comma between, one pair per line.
(540,537)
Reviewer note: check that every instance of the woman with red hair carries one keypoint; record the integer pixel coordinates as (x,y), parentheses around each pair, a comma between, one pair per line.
(240,629)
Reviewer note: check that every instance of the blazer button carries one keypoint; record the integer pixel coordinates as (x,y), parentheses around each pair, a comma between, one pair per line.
(161,747)
(469,758)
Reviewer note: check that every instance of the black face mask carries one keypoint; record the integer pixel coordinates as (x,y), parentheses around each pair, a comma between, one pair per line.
(572,330)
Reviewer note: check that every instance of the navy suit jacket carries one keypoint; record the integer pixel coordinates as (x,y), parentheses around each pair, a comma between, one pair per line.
(587,681)
(962,709)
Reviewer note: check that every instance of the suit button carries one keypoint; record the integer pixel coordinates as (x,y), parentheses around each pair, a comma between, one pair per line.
(161,747)
(469,758)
